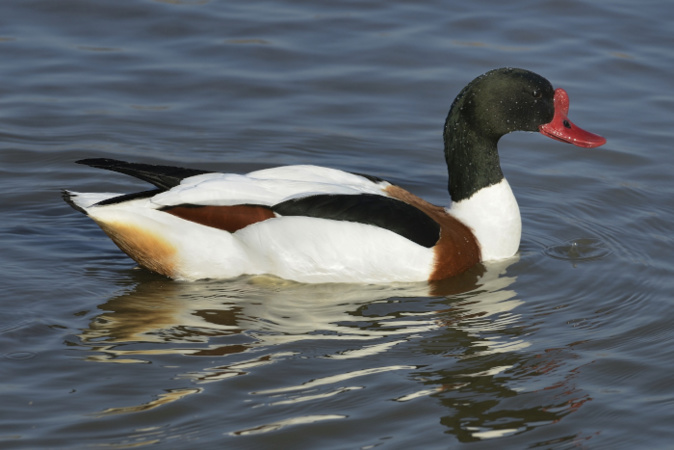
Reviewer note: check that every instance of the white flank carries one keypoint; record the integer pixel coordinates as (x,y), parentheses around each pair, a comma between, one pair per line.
(314,250)
(493,215)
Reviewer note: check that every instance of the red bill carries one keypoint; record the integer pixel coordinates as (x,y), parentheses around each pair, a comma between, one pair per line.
(562,129)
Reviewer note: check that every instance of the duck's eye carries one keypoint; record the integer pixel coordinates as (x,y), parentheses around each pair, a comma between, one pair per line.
(537,93)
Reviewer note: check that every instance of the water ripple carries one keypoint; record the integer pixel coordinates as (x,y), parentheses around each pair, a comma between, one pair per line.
(579,250)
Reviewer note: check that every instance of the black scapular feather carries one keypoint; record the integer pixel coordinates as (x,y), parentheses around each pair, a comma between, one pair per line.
(372,209)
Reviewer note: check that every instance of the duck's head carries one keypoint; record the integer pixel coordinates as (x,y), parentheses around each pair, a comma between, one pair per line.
(508,99)
(495,104)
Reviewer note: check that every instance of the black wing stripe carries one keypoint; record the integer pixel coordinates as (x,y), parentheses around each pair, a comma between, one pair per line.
(372,209)
(164,177)
(127,197)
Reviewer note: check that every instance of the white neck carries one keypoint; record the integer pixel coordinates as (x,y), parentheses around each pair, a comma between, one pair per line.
(493,215)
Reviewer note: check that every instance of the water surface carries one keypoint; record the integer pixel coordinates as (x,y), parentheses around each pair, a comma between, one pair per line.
(567,345)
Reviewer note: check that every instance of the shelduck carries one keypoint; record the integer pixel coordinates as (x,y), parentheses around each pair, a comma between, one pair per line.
(316,224)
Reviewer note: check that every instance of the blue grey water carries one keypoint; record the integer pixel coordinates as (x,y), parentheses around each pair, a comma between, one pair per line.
(569,345)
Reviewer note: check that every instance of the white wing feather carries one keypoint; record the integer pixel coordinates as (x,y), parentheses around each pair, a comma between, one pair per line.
(266,187)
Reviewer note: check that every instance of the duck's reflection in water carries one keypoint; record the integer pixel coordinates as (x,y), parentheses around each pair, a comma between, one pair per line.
(461,340)
(253,312)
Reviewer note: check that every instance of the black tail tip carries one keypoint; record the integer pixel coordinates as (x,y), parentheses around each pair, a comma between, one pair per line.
(68,196)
